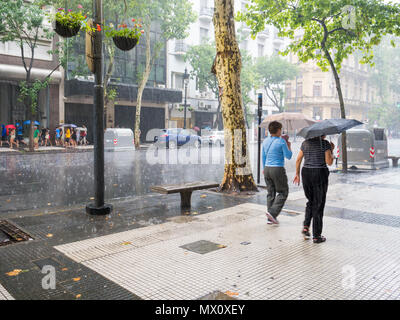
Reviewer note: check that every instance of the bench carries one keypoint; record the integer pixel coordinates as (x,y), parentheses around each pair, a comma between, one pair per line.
(185,190)
(395,160)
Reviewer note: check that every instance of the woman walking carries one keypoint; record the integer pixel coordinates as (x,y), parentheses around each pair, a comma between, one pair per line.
(13,139)
(317,154)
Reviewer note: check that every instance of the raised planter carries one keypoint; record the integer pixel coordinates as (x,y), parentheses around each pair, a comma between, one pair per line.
(124,43)
(66,32)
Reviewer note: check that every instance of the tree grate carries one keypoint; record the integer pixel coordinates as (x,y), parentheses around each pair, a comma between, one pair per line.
(10,234)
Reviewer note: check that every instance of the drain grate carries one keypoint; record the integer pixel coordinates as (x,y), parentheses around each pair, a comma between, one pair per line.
(9,234)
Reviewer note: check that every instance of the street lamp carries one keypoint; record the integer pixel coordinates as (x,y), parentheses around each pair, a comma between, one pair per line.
(98,207)
(185,82)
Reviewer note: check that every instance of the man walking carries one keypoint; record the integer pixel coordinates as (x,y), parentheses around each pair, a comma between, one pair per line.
(274,151)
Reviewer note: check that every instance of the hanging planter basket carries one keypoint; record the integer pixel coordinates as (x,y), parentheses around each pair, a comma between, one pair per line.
(66,32)
(124,43)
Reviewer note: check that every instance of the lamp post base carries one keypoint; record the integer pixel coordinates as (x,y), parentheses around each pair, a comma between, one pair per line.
(99,211)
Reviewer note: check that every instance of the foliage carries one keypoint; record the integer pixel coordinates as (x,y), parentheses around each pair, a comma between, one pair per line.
(23,22)
(271,73)
(70,19)
(124,31)
(31,92)
(326,23)
(201,58)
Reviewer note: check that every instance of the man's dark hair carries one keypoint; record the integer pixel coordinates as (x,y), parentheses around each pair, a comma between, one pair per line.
(274,126)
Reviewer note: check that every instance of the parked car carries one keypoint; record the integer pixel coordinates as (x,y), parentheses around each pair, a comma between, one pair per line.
(215,137)
(172,138)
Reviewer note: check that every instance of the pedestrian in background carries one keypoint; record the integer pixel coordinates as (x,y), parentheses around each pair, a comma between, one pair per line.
(13,139)
(317,154)
(274,151)
(4,135)
(47,138)
(67,137)
(58,136)
(36,134)
(84,134)
(73,138)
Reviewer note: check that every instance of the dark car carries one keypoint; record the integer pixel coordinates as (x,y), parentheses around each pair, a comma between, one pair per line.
(172,138)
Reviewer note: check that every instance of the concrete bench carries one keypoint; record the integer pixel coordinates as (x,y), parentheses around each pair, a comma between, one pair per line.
(185,190)
(395,160)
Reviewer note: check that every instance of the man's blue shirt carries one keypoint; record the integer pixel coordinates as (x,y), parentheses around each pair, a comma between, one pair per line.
(277,152)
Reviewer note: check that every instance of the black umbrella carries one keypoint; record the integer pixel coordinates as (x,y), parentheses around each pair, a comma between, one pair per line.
(327,127)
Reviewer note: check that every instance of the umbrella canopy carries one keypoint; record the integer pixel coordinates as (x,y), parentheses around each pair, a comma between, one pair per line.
(328,127)
(10,126)
(290,120)
(69,125)
(29,122)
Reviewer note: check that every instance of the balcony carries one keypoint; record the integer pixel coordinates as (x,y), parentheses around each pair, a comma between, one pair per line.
(206,14)
(180,48)
(263,34)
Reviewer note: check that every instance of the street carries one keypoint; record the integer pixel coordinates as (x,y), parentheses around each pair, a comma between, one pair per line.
(44,181)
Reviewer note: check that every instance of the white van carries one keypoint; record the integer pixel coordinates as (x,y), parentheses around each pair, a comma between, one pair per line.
(116,139)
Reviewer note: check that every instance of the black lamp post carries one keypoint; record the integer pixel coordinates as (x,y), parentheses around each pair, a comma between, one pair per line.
(98,207)
(185,82)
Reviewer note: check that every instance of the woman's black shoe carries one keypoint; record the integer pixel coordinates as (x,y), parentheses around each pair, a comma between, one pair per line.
(306,233)
(319,239)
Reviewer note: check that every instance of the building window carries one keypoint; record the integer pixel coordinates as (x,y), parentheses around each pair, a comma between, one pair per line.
(335,113)
(288,90)
(299,92)
(203,34)
(260,50)
(178,81)
(317,89)
(243,44)
(317,113)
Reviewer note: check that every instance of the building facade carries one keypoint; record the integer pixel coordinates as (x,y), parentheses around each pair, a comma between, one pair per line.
(314,92)
(127,66)
(204,104)
(12,72)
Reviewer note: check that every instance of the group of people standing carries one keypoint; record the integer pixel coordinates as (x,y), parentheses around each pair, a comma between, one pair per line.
(317,155)
(71,137)
(64,136)
(11,135)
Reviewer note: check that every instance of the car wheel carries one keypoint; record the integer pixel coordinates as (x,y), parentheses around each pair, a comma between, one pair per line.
(172,144)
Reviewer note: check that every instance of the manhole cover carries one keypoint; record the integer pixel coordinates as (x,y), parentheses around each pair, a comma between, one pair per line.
(202,246)
(11,234)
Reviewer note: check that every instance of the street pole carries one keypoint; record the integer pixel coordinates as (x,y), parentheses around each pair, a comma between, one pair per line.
(295,107)
(98,207)
(259,136)
(185,82)
(184,114)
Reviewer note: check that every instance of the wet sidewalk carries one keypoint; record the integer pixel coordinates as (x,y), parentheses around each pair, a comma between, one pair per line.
(223,248)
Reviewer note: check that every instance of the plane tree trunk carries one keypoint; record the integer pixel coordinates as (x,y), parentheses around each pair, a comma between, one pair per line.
(227,66)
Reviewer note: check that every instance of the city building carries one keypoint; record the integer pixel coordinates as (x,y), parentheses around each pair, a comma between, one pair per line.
(202,106)
(314,92)
(12,72)
(156,97)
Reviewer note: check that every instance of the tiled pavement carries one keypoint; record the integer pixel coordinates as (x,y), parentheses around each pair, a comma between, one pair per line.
(137,252)
(258,262)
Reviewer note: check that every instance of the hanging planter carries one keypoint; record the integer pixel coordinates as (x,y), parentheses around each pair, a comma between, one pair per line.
(68,23)
(125,43)
(125,38)
(65,31)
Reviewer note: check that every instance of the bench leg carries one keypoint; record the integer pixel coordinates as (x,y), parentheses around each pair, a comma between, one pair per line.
(395,162)
(186,200)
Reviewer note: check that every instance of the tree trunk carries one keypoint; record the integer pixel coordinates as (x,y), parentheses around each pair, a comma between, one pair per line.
(227,66)
(145,77)
(341,100)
